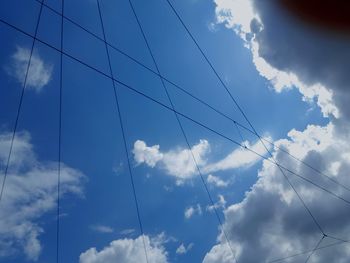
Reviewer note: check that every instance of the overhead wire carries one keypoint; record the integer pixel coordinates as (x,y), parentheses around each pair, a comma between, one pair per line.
(19,107)
(166,107)
(59,140)
(179,113)
(178,87)
(116,97)
(307,251)
(244,115)
(183,131)
(313,251)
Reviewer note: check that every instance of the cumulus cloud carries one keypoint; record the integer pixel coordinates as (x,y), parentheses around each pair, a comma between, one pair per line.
(39,74)
(127,251)
(179,162)
(192,210)
(290,54)
(182,249)
(146,154)
(271,218)
(29,193)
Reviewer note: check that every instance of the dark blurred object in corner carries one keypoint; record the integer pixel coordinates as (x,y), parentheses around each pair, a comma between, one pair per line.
(327,14)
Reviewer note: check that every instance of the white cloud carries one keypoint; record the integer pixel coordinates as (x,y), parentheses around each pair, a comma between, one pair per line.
(192,210)
(221,203)
(271,218)
(39,74)
(128,231)
(179,162)
(238,158)
(182,249)
(30,192)
(102,229)
(283,53)
(126,251)
(215,180)
(219,254)
(146,154)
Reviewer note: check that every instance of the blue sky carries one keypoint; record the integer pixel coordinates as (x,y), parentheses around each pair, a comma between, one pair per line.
(97,204)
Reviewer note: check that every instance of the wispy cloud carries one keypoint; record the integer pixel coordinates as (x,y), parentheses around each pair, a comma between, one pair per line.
(221,203)
(102,229)
(182,249)
(128,231)
(192,210)
(216,181)
(39,74)
(238,158)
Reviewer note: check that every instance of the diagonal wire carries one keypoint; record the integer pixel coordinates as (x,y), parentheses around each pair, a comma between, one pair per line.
(183,131)
(20,102)
(122,84)
(337,238)
(123,133)
(335,181)
(59,142)
(308,251)
(316,247)
(179,113)
(245,116)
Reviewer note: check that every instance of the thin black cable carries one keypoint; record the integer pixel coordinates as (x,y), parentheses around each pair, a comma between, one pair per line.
(305,252)
(198,99)
(20,103)
(245,117)
(313,251)
(59,142)
(337,238)
(183,131)
(123,133)
(170,109)
(239,133)
(181,114)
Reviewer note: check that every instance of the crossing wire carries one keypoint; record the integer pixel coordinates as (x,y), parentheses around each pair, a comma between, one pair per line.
(308,251)
(183,132)
(178,87)
(122,84)
(20,103)
(244,115)
(179,113)
(123,132)
(313,251)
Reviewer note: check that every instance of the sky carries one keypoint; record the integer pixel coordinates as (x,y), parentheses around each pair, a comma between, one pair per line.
(289,78)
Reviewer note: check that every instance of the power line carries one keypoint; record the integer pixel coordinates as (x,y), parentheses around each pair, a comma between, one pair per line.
(178,87)
(183,131)
(123,132)
(170,109)
(308,251)
(244,115)
(59,142)
(179,113)
(313,251)
(20,102)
